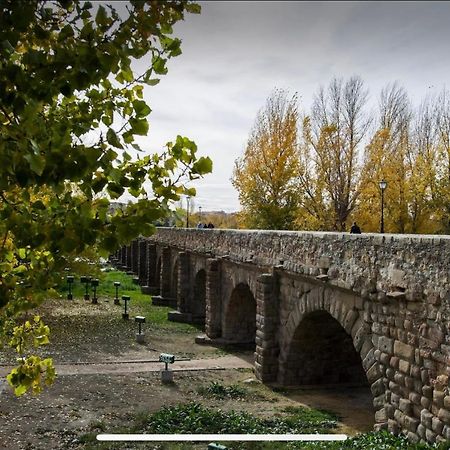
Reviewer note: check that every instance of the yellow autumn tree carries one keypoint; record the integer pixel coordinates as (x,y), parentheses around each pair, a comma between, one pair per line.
(401,152)
(266,175)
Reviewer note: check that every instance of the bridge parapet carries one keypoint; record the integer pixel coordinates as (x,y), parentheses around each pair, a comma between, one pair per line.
(379,267)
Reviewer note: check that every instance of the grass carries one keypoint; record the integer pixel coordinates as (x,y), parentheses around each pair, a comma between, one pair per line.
(141,303)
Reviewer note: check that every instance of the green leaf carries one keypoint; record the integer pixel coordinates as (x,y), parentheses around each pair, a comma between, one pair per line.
(141,108)
(139,126)
(202,166)
(37,163)
(101,17)
(112,138)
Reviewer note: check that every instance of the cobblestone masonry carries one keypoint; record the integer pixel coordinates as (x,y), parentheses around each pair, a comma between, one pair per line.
(331,307)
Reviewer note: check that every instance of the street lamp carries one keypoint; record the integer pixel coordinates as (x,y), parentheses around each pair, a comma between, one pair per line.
(188,199)
(383,186)
(200,213)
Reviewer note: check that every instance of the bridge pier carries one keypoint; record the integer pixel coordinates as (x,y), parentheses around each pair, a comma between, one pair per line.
(142,262)
(267,347)
(213,325)
(165,298)
(151,284)
(134,256)
(183,313)
(128,258)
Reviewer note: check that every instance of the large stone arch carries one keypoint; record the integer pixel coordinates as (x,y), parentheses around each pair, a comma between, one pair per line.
(328,324)
(239,325)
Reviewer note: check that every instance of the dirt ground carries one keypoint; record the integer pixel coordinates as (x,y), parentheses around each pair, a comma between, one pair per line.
(105,379)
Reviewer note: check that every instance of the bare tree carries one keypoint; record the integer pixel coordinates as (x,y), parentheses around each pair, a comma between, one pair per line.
(333,138)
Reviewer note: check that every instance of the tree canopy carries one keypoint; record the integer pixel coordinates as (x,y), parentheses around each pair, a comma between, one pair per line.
(71,105)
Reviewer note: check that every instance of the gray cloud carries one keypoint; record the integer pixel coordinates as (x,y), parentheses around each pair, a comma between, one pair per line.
(235,53)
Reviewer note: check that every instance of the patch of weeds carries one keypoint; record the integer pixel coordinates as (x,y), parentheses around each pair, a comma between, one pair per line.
(98,425)
(217,390)
(194,418)
(311,415)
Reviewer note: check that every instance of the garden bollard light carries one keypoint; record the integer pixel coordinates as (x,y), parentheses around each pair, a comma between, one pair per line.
(116,285)
(86,280)
(167,374)
(140,336)
(126,299)
(94,283)
(70,280)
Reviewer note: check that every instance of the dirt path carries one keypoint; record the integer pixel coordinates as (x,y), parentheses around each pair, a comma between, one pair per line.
(222,363)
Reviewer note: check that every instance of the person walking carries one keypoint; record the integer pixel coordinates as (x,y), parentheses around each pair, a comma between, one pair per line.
(355,229)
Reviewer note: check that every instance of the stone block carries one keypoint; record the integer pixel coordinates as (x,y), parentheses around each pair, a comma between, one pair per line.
(444,415)
(411,423)
(404,351)
(427,391)
(412,437)
(438,397)
(426,418)
(386,344)
(447,402)
(377,388)
(437,425)
(421,429)
(414,397)
(430,437)
(425,402)
(381,416)
(404,366)
(405,406)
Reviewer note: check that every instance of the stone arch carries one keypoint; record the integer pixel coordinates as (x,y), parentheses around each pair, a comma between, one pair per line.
(322,352)
(328,324)
(240,316)
(198,303)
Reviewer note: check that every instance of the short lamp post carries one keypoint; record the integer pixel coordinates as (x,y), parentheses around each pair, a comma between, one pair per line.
(116,285)
(126,299)
(94,284)
(86,280)
(140,336)
(167,374)
(383,186)
(70,279)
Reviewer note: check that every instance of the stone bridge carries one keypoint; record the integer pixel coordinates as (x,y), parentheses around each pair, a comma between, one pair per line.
(319,308)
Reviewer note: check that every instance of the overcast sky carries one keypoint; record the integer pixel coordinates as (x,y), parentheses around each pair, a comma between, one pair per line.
(236,53)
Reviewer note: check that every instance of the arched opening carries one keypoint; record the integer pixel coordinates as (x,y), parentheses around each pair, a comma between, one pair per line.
(240,316)
(321,352)
(198,304)
(174,280)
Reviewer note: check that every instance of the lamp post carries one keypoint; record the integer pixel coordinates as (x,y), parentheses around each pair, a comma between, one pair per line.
(86,280)
(188,199)
(94,284)
(200,213)
(116,285)
(70,280)
(383,186)
(126,299)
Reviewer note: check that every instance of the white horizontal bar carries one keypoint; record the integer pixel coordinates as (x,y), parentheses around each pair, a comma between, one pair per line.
(221,437)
